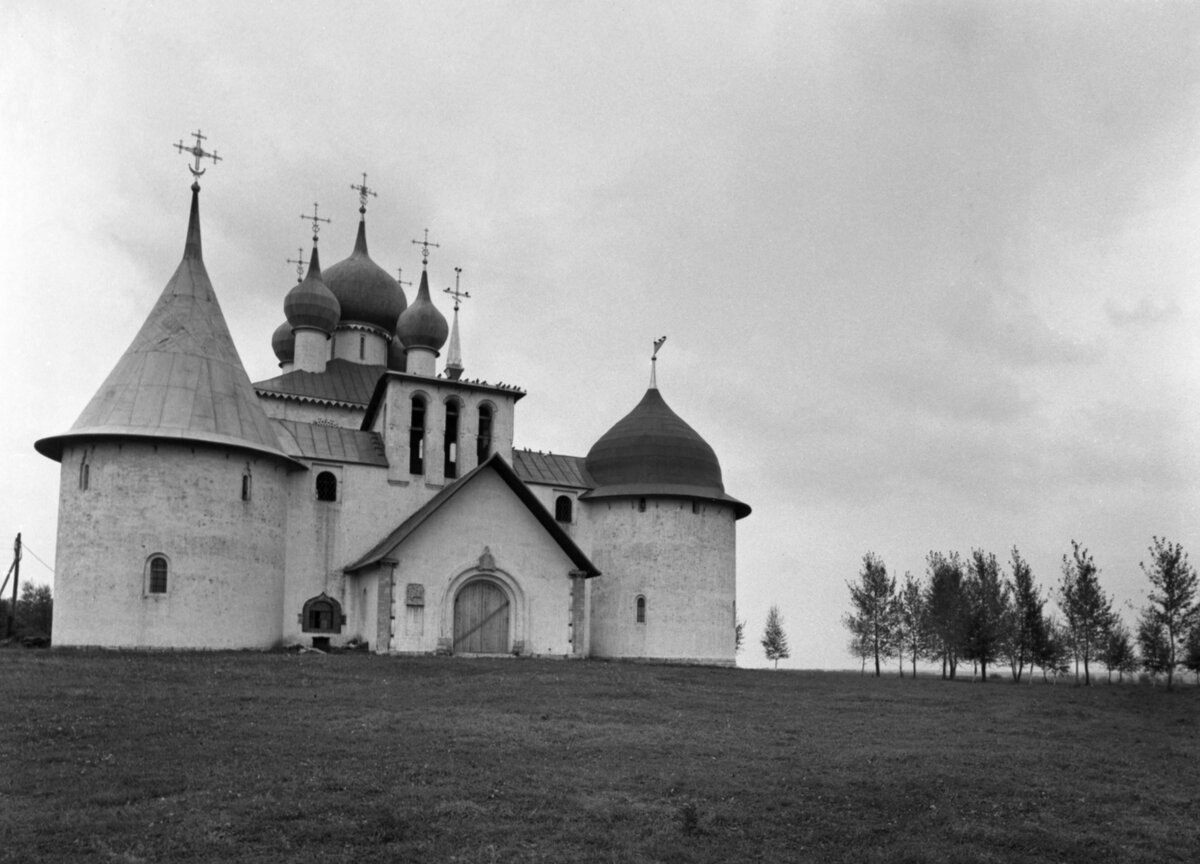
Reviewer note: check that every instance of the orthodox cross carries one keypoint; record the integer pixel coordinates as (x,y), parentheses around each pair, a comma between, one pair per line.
(425,244)
(658,343)
(299,262)
(316,221)
(399,273)
(458,296)
(363,191)
(198,151)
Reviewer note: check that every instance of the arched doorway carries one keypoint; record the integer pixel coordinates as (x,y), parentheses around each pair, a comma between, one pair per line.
(481,619)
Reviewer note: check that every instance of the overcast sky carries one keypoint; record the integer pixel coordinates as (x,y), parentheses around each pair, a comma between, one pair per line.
(928,271)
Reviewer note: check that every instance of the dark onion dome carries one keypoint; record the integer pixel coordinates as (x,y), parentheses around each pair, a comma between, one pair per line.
(421,325)
(311,304)
(652,451)
(283,343)
(396,360)
(368,295)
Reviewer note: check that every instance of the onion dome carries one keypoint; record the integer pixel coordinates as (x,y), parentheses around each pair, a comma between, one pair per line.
(421,325)
(367,294)
(311,304)
(181,378)
(652,451)
(396,360)
(283,343)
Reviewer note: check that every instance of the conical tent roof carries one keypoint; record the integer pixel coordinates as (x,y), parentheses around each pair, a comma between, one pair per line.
(181,378)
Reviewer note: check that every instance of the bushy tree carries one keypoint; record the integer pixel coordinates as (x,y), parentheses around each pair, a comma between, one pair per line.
(1119,655)
(874,617)
(35,612)
(987,602)
(739,636)
(1173,603)
(1026,620)
(1191,656)
(910,622)
(1052,651)
(774,640)
(1087,608)
(945,610)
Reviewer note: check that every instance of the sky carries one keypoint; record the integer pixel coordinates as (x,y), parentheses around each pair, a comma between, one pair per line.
(928,271)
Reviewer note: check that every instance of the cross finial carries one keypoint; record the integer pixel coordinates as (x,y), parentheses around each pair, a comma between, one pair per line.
(399,273)
(658,343)
(315,220)
(363,191)
(198,151)
(299,262)
(458,296)
(425,244)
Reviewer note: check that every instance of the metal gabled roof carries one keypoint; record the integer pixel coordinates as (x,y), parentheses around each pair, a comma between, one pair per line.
(551,469)
(319,442)
(496,463)
(181,378)
(343,382)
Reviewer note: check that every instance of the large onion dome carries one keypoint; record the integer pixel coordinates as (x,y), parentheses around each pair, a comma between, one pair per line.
(367,294)
(652,451)
(421,325)
(283,343)
(311,304)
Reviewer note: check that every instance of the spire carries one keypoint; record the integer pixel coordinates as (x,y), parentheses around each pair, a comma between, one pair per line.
(191,246)
(658,343)
(454,364)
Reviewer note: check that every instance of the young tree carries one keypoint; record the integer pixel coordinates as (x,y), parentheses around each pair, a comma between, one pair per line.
(987,602)
(1087,608)
(739,636)
(35,611)
(910,621)
(944,610)
(1118,652)
(874,616)
(1191,657)
(1026,619)
(1173,599)
(1152,644)
(1052,651)
(774,640)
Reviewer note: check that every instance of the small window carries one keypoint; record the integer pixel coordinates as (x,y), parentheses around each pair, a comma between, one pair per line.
(362,347)
(416,437)
(326,486)
(322,614)
(450,441)
(483,443)
(562,508)
(85,475)
(246,486)
(641,505)
(695,506)
(641,609)
(157,584)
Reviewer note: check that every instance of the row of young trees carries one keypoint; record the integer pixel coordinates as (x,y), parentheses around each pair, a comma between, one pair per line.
(970,611)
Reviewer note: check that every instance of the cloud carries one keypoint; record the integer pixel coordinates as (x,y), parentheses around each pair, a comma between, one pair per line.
(1147,312)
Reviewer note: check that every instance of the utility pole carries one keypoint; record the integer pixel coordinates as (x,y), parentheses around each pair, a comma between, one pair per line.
(15,571)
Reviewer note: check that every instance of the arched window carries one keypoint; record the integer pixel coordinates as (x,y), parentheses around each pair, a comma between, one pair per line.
(483,444)
(156,581)
(416,437)
(246,485)
(562,508)
(322,614)
(641,609)
(326,486)
(450,443)
(85,474)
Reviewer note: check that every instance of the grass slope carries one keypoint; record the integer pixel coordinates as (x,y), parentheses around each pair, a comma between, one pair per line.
(275,757)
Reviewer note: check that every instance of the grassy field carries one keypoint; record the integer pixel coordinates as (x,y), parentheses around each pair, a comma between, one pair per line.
(283,757)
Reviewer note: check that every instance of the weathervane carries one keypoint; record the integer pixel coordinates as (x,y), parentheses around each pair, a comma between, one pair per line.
(363,191)
(402,282)
(458,296)
(299,262)
(658,343)
(316,221)
(425,244)
(198,151)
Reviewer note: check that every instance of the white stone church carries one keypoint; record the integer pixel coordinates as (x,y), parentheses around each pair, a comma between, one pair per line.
(365,495)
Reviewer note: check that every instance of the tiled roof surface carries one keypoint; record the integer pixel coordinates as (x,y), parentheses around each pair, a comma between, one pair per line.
(318,441)
(343,381)
(551,469)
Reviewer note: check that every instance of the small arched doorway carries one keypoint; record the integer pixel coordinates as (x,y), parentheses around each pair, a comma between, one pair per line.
(481,619)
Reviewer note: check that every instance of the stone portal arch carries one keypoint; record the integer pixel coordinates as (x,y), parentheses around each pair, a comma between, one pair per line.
(484,612)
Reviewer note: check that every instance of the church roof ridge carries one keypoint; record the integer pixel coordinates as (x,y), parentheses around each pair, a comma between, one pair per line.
(181,377)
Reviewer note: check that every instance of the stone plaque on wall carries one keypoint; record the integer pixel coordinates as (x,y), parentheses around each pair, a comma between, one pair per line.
(414,594)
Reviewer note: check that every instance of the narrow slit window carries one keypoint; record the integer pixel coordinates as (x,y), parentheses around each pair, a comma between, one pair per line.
(641,610)
(246,487)
(362,347)
(483,444)
(327,486)
(416,437)
(85,474)
(450,443)
(641,505)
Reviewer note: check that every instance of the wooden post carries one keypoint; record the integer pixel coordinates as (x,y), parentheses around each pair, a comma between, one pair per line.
(16,571)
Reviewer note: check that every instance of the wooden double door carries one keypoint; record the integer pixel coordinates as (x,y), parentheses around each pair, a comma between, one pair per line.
(481,619)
